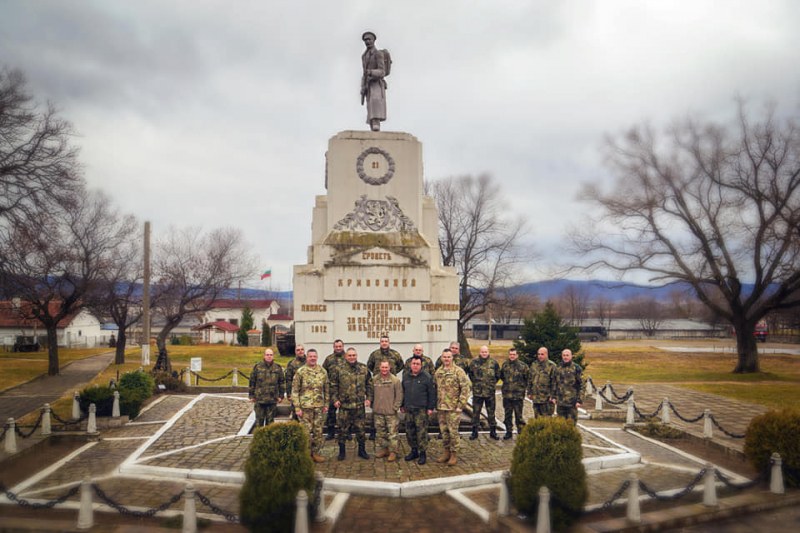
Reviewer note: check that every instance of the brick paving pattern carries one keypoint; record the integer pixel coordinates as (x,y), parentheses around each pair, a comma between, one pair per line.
(228,455)
(165,409)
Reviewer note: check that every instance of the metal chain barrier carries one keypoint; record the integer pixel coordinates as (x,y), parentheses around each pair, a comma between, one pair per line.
(230,517)
(317,499)
(725,431)
(616,496)
(5,429)
(198,376)
(245,376)
(36,425)
(624,397)
(687,420)
(646,415)
(138,514)
(686,490)
(47,505)
(747,484)
(614,402)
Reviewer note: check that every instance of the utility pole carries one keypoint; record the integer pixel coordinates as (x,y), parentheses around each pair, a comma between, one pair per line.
(146,298)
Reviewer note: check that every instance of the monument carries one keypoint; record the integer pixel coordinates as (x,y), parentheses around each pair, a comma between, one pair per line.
(373,265)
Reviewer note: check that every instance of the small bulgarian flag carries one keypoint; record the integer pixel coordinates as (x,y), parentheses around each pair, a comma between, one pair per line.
(267,273)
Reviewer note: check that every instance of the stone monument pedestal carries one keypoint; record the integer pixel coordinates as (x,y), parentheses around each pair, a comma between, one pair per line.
(373,265)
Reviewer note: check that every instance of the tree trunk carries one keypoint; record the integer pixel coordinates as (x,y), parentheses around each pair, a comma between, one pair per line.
(462,341)
(52,350)
(747,349)
(119,354)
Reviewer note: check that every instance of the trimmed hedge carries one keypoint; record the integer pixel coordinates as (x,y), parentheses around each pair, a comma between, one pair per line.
(548,453)
(100,395)
(279,466)
(134,389)
(776,431)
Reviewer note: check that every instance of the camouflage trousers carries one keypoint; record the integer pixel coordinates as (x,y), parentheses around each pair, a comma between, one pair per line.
(351,419)
(448,422)
(569,412)
(477,406)
(513,408)
(330,421)
(417,428)
(265,413)
(542,409)
(385,431)
(313,418)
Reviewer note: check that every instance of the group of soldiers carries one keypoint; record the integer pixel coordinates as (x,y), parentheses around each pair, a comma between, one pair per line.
(337,392)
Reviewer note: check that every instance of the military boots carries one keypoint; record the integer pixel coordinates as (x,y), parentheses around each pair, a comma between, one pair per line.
(412,455)
(362,450)
(493,434)
(508,434)
(474,433)
(341,452)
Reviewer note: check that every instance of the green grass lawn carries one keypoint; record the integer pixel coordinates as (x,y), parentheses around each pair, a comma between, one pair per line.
(18,368)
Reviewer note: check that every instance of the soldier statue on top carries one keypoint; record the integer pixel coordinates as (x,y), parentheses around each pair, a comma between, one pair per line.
(376,66)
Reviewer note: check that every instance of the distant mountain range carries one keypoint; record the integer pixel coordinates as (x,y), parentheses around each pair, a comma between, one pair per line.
(615,291)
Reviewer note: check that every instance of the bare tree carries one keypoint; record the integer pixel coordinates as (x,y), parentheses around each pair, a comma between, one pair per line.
(575,301)
(38,165)
(53,265)
(512,304)
(603,311)
(715,207)
(118,293)
(192,270)
(478,239)
(648,312)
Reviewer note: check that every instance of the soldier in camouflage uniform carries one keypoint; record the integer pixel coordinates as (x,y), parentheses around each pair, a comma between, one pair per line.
(385,353)
(310,396)
(460,361)
(516,376)
(351,388)
(332,361)
(484,373)
(267,387)
(542,387)
(419,400)
(298,361)
(427,362)
(386,399)
(452,390)
(569,387)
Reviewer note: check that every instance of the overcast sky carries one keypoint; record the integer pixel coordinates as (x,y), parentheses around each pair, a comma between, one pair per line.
(213,113)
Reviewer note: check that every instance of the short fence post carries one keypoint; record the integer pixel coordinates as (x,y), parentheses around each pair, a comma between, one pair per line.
(115,407)
(504,503)
(320,516)
(707,429)
(589,386)
(86,513)
(187,377)
(235,379)
(634,513)
(189,510)
(46,426)
(543,514)
(598,401)
(11,436)
(776,475)
(709,487)
(91,425)
(630,416)
(301,516)
(665,411)
(76,406)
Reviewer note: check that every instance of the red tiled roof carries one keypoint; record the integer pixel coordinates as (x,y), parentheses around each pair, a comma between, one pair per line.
(10,316)
(219,324)
(240,304)
(280,317)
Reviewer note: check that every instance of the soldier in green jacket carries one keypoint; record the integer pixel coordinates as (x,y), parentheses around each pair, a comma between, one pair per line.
(267,388)
(484,373)
(298,361)
(452,392)
(310,396)
(427,362)
(460,361)
(385,353)
(542,387)
(351,388)
(516,376)
(332,361)
(569,387)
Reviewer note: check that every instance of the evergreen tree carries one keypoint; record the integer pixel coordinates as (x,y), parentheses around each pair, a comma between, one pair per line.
(266,336)
(245,325)
(549,330)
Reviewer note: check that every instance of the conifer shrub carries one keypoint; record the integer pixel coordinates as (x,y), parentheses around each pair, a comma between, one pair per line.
(171,381)
(278,467)
(548,454)
(101,396)
(134,389)
(775,431)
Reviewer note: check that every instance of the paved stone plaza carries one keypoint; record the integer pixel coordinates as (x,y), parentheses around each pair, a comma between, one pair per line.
(204,439)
